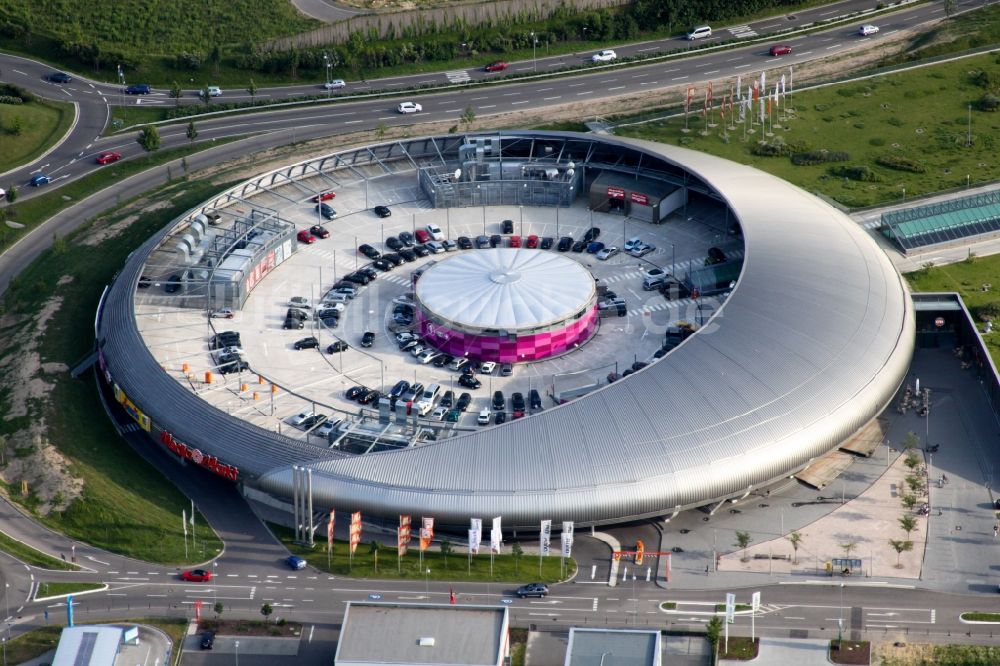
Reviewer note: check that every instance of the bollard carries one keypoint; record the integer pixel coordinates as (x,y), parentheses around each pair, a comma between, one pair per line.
(256,396)
(274,388)
(260,380)
(208,376)
(243,388)
(185,368)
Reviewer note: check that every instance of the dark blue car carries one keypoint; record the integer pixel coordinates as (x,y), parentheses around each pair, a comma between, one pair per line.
(40,179)
(138,89)
(295,562)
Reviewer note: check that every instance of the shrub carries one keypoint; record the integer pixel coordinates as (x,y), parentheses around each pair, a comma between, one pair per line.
(187,61)
(15,126)
(7,99)
(895,121)
(988,102)
(815,157)
(876,141)
(987,311)
(10,90)
(899,163)
(862,173)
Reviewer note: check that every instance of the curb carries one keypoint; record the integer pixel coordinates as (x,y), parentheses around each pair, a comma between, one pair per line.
(104,587)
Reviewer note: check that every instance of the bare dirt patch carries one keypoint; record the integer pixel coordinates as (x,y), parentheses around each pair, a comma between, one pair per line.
(103,228)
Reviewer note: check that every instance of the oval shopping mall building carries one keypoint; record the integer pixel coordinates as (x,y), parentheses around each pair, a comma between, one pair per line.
(803,333)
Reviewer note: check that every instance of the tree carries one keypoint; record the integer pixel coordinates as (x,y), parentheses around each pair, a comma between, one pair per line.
(915,483)
(713,631)
(912,461)
(206,97)
(795,538)
(743,540)
(12,193)
(908,523)
(516,551)
(149,138)
(192,132)
(16,126)
(445,551)
(266,611)
(252,89)
(900,547)
(3,446)
(848,547)
(176,92)
(218,608)
(911,441)
(949,7)
(909,501)
(468,116)
(373,551)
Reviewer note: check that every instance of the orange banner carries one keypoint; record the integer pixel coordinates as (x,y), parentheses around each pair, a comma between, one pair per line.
(355,530)
(403,541)
(640,550)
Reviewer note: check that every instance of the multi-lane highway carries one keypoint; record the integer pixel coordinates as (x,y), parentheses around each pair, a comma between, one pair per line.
(358,108)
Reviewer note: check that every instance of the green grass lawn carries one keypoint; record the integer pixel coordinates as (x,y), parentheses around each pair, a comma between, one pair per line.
(42,124)
(54,589)
(127,507)
(920,116)
(454,567)
(967,278)
(29,555)
(741,648)
(978,616)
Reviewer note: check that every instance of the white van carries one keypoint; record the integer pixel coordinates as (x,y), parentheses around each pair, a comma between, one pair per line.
(428,399)
(699,32)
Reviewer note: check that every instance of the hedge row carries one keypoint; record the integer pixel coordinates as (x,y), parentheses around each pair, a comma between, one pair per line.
(899,163)
(8,99)
(815,157)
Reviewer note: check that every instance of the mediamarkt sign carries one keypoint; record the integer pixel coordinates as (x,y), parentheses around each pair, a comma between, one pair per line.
(210,463)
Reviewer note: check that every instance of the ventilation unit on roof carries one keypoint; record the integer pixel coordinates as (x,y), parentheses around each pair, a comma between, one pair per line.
(426,641)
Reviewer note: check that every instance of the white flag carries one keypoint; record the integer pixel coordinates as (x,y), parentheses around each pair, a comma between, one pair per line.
(477,527)
(739,86)
(545,539)
(473,542)
(730,607)
(184,521)
(496,536)
(763,85)
(566,538)
(755,601)
(782,85)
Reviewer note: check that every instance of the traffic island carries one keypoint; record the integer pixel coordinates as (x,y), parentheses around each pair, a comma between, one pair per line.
(279,629)
(850,652)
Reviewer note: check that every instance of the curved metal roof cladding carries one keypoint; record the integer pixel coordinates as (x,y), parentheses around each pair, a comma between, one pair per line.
(506,288)
(811,344)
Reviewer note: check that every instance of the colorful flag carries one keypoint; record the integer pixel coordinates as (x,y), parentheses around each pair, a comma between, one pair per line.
(425,538)
(403,535)
(355,533)
(688,99)
(566,538)
(329,530)
(545,538)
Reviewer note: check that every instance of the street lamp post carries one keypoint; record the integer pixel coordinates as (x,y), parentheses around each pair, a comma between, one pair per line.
(534,44)
(673,261)
(237,644)
(427,581)
(604,654)
(326,62)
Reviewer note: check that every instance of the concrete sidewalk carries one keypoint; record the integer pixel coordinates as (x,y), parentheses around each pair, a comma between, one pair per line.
(789,652)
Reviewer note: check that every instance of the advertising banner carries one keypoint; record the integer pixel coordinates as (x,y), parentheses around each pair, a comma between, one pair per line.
(473,542)
(640,199)
(730,607)
(545,538)
(329,529)
(425,538)
(566,538)
(404,535)
(640,552)
(755,601)
(355,530)
(496,536)
(616,193)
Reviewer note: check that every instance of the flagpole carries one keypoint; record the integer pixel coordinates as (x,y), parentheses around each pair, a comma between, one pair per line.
(399,553)
(184,525)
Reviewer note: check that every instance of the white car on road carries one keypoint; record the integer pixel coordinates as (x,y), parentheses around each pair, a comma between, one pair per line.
(607,55)
(409,107)
(335,84)
(435,232)
(868,29)
(213,91)
(607,253)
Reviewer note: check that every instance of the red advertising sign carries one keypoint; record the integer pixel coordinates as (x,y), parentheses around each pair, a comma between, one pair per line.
(640,199)
(404,535)
(616,193)
(211,463)
(258,272)
(355,532)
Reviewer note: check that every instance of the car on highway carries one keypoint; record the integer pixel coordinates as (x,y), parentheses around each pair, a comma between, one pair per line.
(138,89)
(108,157)
(207,640)
(335,84)
(305,237)
(326,210)
(780,50)
(382,211)
(196,576)
(213,91)
(699,32)
(607,55)
(59,77)
(295,562)
(409,107)
(324,196)
(607,253)
(496,66)
(868,29)
(39,179)
(532,590)
(223,313)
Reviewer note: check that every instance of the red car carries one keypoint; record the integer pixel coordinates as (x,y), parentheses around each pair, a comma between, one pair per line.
(497,66)
(781,50)
(306,237)
(323,196)
(422,236)
(197,576)
(515,241)
(532,242)
(108,157)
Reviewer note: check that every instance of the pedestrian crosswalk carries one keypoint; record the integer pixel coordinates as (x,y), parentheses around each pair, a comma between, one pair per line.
(458,76)
(396,278)
(742,31)
(658,307)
